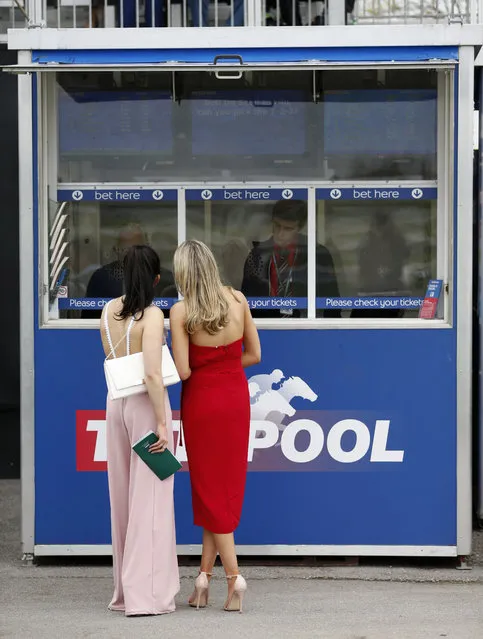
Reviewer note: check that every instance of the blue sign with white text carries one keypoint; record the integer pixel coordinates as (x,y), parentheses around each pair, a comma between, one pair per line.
(378,193)
(278,303)
(117,195)
(369,303)
(257,195)
(434,288)
(430,305)
(98,303)
(269,303)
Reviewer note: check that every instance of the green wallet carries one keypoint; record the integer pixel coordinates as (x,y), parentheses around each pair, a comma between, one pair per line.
(162,464)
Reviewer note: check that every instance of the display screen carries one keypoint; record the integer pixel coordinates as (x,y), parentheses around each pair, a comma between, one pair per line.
(249,122)
(380,122)
(114,121)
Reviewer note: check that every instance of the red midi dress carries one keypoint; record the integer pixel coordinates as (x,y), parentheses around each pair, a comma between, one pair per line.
(215,412)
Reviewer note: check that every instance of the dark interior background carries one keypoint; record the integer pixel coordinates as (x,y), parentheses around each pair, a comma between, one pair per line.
(9,259)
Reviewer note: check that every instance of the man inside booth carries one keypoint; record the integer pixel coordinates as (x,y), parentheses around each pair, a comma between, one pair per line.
(383,256)
(278,266)
(108,281)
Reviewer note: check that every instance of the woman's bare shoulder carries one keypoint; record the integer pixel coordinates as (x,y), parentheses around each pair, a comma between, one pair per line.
(178,311)
(153,313)
(233,293)
(112,308)
(113,305)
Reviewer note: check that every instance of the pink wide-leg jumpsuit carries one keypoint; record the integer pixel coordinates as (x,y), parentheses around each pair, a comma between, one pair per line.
(146,577)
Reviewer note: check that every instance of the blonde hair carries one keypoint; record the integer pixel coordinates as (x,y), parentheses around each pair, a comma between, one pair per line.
(198,280)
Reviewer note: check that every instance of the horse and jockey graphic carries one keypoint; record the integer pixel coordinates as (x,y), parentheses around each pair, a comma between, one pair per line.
(271,396)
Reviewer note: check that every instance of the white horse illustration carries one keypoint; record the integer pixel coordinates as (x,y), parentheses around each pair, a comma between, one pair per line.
(296,387)
(275,406)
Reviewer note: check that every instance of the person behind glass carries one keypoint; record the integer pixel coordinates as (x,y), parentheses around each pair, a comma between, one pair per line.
(146,578)
(107,281)
(382,257)
(278,266)
(214,338)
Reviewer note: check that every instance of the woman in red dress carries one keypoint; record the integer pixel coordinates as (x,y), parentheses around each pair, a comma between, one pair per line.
(214,338)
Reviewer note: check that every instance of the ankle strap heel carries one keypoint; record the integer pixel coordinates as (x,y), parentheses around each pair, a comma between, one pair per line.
(201,595)
(235,602)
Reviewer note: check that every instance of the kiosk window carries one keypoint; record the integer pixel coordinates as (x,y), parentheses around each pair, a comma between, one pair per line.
(384,255)
(114,127)
(87,243)
(186,126)
(265,126)
(260,247)
(380,124)
(380,133)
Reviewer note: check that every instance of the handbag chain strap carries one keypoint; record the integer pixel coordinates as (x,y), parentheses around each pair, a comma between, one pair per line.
(108,335)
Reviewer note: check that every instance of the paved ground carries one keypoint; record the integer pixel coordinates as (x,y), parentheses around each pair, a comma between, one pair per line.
(408,601)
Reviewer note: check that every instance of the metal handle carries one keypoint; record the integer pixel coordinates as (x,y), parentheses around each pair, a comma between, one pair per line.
(228,56)
(226,75)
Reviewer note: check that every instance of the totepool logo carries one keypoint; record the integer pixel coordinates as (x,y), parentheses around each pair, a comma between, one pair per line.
(336,194)
(286,432)
(276,423)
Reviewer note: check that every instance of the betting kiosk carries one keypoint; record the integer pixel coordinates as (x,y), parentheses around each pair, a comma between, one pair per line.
(334,187)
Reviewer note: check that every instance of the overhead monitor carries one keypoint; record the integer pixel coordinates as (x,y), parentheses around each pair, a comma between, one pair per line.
(115,122)
(380,122)
(249,122)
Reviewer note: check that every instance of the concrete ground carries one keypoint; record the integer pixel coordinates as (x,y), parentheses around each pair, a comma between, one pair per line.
(409,600)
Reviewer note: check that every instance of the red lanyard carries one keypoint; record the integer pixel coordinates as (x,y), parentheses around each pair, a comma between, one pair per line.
(274,271)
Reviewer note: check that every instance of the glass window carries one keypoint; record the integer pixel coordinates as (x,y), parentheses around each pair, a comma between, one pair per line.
(263,129)
(87,242)
(334,131)
(260,246)
(266,126)
(384,255)
(114,127)
(373,258)
(380,125)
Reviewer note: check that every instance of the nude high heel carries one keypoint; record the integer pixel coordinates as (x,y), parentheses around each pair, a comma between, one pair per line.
(202,585)
(234,603)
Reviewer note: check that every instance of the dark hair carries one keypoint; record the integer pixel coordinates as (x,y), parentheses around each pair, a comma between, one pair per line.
(141,266)
(291,211)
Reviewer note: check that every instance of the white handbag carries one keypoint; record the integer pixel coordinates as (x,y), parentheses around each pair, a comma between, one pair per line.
(125,375)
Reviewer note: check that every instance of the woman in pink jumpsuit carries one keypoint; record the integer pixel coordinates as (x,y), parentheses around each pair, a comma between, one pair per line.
(146,578)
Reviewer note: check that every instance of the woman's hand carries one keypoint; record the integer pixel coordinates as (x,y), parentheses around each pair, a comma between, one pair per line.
(162,443)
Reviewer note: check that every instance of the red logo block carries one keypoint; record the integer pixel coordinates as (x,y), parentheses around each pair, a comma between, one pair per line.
(91,453)
(91,448)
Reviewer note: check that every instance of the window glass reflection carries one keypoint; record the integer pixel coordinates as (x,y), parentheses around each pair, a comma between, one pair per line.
(380,249)
(380,133)
(99,233)
(261,248)
(284,125)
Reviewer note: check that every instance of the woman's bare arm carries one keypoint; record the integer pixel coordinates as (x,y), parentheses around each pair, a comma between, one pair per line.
(152,354)
(252,351)
(180,340)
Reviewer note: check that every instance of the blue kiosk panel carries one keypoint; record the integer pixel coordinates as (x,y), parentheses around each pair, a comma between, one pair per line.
(367,458)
